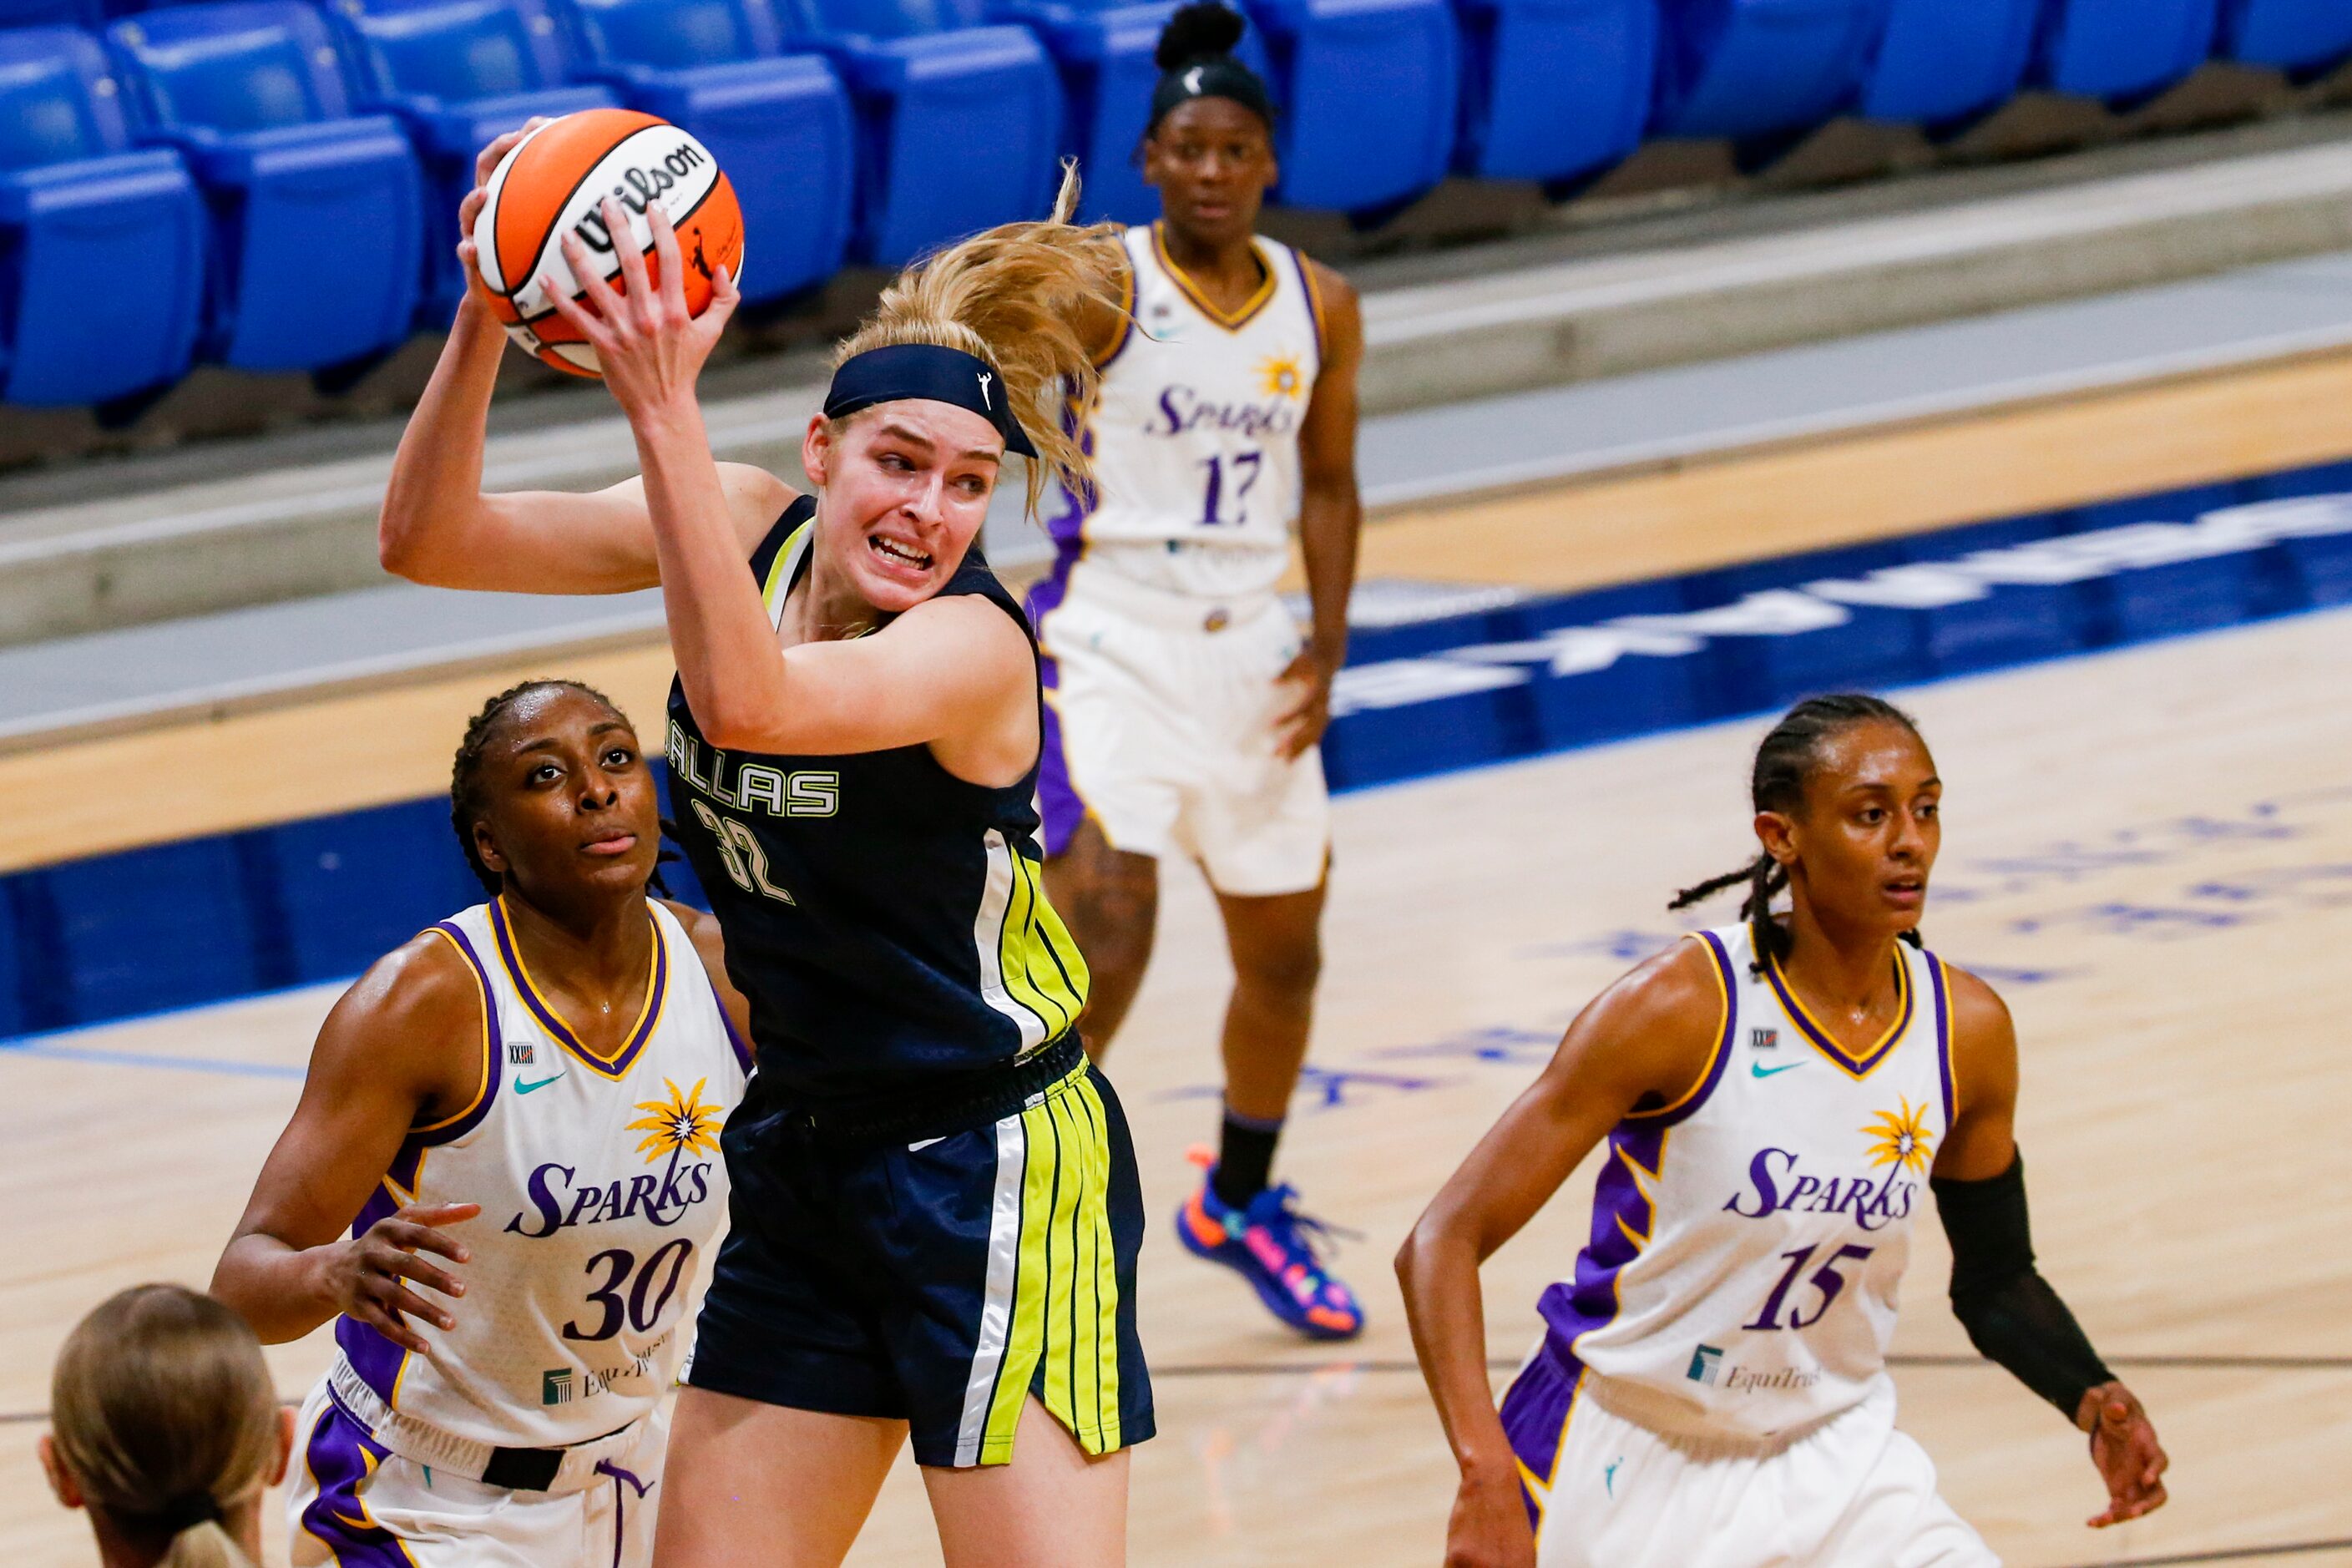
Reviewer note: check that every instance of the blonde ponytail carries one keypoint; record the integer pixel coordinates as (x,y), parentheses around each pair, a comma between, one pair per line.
(162,1411)
(1019,297)
(204,1545)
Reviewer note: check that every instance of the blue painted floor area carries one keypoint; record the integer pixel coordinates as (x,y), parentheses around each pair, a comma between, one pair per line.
(182,924)
(2239,317)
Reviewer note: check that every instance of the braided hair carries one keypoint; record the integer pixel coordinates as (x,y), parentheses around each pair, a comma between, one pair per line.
(1784,765)
(466,774)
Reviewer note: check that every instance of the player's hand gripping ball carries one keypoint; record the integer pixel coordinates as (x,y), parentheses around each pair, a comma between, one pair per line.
(554,182)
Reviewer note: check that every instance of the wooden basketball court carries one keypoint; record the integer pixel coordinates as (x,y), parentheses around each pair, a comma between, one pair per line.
(2149,852)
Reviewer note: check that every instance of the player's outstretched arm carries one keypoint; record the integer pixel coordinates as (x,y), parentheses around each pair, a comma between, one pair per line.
(401,1050)
(437,526)
(1647,1038)
(2011,1313)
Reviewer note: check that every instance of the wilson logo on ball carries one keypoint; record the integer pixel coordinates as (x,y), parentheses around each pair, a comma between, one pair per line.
(555,182)
(640,188)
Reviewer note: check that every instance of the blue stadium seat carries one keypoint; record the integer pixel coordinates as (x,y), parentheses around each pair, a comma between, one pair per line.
(1367,91)
(460,74)
(1939,63)
(2303,37)
(1755,68)
(1103,49)
(780,124)
(1323,63)
(2123,50)
(960,121)
(318,214)
(1552,89)
(101,246)
(52,14)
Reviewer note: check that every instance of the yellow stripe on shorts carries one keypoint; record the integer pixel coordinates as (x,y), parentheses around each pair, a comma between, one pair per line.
(1061,1318)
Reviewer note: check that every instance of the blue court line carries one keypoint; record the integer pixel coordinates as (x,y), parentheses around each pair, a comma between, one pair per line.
(99,1057)
(152,931)
(58,1044)
(51,1043)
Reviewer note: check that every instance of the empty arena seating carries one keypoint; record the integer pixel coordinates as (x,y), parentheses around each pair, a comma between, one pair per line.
(2123,50)
(86,219)
(779,121)
(51,13)
(1103,51)
(216,151)
(1552,89)
(959,120)
(1746,69)
(2299,35)
(1938,63)
(460,74)
(1367,92)
(252,93)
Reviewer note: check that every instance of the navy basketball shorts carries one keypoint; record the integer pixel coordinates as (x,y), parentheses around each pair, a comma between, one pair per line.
(939,1280)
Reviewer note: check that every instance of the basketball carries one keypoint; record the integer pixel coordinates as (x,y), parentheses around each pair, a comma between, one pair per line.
(554,182)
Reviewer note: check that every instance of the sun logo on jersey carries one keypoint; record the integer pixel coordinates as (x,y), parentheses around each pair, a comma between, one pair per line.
(1901,1139)
(1279,376)
(681,1124)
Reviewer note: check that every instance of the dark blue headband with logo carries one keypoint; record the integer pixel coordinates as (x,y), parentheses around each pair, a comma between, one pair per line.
(928,372)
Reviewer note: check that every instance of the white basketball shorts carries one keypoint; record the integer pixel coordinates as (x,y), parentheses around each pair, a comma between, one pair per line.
(1161,725)
(351,1501)
(1851,1493)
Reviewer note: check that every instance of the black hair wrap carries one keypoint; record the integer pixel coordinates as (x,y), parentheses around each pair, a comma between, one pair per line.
(175,1515)
(929,373)
(1195,57)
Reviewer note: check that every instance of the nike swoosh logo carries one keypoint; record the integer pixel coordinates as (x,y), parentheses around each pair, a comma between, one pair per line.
(1761,1070)
(524,1087)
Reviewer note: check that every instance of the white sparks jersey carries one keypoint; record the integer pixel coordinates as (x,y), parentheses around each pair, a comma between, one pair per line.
(600,1187)
(1748,1242)
(1195,439)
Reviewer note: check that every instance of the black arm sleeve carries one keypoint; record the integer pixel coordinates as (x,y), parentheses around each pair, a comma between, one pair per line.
(2011,1313)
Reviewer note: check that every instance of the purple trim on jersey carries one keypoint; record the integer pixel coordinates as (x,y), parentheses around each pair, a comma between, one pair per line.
(493,1070)
(338,1454)
(1623,1216)
(742,1050)
(1067,528)
(376,1359)
(1314,305)
(1535,1413)
(1058,804)
(1857,1066)
(656,992)
(1941,985)
(1688,1106)
(1622,1221)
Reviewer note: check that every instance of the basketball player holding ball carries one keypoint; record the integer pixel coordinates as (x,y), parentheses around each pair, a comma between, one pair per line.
(1777,1097)
(1184,708)
(935,1213)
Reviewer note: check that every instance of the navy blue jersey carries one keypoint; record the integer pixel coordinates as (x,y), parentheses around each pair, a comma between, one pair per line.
(884,917)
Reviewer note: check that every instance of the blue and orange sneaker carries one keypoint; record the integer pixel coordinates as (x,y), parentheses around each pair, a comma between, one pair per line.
(1271,1245)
